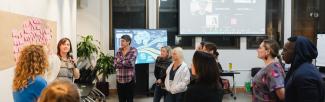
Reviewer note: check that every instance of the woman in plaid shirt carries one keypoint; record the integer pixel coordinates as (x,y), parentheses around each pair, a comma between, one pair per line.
(124,62)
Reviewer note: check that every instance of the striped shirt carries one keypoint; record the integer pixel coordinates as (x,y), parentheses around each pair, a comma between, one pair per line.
(125,65)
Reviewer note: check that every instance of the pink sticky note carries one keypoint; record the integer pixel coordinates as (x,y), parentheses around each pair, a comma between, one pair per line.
(21,33)
(15,42)
(14,33)
(38,27)
(16,50)
(48,31)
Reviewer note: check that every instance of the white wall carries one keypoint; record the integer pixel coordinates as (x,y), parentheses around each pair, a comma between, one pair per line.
(92,19)
(61,11)
(88,19)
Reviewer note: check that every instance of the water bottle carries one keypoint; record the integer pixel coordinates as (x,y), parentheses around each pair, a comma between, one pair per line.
(230,66)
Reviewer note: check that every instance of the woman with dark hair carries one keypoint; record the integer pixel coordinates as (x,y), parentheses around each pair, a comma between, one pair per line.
(212,49)
(124,62)
(68,68)
(303,82)
(268,83)
(200,46)
(205,87)
(161,65)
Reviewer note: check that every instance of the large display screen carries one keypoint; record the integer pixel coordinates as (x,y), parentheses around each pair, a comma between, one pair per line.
(212,17)
(147,41)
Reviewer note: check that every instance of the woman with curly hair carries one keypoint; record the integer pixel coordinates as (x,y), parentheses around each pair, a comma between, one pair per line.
(28,80)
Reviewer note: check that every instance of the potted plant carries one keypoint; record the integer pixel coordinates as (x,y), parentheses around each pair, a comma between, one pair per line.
(86,52)
(86,48)
(104,67)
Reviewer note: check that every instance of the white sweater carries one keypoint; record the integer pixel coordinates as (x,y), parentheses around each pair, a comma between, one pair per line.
(53,69)
(181,79)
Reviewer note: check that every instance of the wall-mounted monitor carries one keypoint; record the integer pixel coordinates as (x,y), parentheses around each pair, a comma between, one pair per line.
(222,17)
(147,41)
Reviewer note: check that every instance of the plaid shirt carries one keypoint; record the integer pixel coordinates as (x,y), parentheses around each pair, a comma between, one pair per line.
(125,65)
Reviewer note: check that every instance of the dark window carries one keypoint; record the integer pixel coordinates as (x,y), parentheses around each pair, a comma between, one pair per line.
(168,19)
(254,42)
(304,22)
(127,14)
(321,17)
(224,42)
(186,42)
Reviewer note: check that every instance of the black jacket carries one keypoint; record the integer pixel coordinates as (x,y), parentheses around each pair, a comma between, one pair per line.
(161,66)
(197,92)
(303,82)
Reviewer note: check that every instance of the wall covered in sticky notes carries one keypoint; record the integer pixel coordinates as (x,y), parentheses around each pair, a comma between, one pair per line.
(17,31)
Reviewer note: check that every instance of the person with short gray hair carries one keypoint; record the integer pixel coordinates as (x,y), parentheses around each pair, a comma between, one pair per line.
(178,77)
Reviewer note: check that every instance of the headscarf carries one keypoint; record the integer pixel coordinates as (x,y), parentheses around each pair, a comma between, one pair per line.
(304,52)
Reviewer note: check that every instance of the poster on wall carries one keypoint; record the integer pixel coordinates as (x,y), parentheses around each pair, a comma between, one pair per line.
(18,31)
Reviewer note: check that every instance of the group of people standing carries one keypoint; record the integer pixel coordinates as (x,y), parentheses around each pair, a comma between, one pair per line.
(175,80)
(178,82)
(37,67)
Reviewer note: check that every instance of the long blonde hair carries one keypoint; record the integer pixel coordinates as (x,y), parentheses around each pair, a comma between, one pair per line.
(32,61)
(168,49)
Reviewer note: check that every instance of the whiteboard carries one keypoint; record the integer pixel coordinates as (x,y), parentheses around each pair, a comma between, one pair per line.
(320,60)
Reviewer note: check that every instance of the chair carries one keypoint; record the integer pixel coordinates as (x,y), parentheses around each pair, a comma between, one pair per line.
(95,95)
(254,71)
(322,72)
(87,76)
(225,83)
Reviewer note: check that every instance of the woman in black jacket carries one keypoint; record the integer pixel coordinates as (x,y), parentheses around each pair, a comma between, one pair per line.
(162,63)
(205,87)
(212,49)
(303,82)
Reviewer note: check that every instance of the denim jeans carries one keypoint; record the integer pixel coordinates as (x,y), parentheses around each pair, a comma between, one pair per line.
(159,92)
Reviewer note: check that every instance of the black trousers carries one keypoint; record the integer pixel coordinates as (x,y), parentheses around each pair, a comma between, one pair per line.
(178,97)
(125,91)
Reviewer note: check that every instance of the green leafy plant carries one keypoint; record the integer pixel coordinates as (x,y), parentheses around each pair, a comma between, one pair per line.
(104,66)
(86,48)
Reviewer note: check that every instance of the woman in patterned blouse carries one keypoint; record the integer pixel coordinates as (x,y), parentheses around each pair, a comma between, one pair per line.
(268,83)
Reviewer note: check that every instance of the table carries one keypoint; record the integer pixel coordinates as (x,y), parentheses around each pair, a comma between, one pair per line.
(232,74)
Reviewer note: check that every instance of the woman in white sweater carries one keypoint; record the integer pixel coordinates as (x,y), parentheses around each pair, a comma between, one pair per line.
(178,77)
